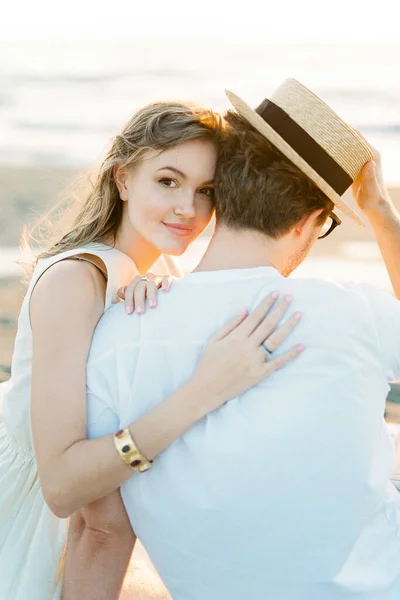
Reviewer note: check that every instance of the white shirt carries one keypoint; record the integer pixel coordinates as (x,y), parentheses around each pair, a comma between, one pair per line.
(283,493)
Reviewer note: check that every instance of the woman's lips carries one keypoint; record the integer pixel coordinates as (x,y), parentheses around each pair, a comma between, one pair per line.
(179,230)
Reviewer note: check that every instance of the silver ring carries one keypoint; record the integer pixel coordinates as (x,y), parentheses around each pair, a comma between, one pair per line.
(144,278)
(267,351)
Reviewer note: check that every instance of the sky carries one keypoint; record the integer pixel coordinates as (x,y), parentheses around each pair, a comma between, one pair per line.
(341,20)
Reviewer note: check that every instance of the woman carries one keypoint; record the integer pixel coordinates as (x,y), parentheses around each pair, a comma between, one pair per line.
(153,195)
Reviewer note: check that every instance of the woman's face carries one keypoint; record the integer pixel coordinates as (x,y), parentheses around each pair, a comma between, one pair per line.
(169,196)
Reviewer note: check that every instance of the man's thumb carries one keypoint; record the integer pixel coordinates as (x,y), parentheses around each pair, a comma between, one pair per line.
(369,185)
(370,169)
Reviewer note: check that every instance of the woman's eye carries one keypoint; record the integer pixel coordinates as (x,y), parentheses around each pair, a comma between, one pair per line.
(207,192)
(169,183)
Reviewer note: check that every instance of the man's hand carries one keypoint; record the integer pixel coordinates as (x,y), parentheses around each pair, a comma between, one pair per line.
(369,189)
(373,199)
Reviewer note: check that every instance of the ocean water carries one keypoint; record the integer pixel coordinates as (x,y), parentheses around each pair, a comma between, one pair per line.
(359,262)
(60,103)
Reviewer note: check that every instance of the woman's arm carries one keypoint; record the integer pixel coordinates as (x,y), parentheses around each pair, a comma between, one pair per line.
(66,305)
(100,537)
(65,308)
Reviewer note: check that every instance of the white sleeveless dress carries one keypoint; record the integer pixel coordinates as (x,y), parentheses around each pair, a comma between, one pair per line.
(31,537)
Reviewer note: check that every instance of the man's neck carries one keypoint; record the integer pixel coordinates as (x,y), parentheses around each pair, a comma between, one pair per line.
(239,249)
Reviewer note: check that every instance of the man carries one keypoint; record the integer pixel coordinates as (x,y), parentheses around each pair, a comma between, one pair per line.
(284,492)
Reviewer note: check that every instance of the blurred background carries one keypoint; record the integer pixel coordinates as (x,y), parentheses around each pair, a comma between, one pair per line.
(72,73)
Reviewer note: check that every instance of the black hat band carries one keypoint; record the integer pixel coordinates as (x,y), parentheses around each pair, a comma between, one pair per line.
(305,146)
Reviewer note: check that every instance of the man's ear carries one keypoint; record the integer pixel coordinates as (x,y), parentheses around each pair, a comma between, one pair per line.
(307,224)
(120,177)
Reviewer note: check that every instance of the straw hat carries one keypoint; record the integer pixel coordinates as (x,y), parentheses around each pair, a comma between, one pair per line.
(313,137)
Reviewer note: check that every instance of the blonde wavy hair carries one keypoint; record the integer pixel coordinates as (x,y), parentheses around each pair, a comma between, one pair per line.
(98,213)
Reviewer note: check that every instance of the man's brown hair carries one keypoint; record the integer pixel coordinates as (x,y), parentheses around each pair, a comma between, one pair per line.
(257,188)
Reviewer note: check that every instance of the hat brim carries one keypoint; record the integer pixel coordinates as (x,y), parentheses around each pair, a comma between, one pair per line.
(272,136)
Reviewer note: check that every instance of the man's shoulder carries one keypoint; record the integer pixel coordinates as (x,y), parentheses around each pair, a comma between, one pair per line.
(340,303)
(113,319)
(309,284)
(313,290)
(109,331)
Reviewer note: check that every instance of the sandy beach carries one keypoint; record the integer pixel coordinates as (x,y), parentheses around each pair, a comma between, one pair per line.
(27,192)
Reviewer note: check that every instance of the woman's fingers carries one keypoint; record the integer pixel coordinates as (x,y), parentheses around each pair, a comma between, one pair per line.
(277,363)
(270,322)
(153,283)
(121,292)
(232,362)
(151,290)
(257,316)
(130,295)
(140,292)
(280,335)
(229,327)
(146,288)
(166,282)
(141,289)
(243,326)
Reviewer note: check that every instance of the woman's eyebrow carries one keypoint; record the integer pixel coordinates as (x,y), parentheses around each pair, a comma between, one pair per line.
(182,174)
(177,171)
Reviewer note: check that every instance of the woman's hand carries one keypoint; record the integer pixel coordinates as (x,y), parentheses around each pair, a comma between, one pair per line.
(142,288)
(241,354)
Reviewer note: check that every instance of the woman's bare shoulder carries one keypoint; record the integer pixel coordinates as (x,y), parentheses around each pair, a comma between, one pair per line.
(69,285)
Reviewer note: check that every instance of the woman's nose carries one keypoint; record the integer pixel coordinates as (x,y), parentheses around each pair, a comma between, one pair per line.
(186,207)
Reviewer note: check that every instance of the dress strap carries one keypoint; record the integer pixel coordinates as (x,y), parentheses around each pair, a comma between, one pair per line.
(117,268)
(90,259)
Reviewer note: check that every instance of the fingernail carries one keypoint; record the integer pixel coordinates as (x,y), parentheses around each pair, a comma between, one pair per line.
(275,294)
(139,311)
(128,309)
(243,312)
(289,298)
(297,316)
(152,304)
(300,347)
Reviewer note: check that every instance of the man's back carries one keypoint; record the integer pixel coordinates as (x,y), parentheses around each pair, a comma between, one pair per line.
(283,492)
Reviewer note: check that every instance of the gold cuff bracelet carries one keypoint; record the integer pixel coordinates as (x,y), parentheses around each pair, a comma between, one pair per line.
(128,451)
